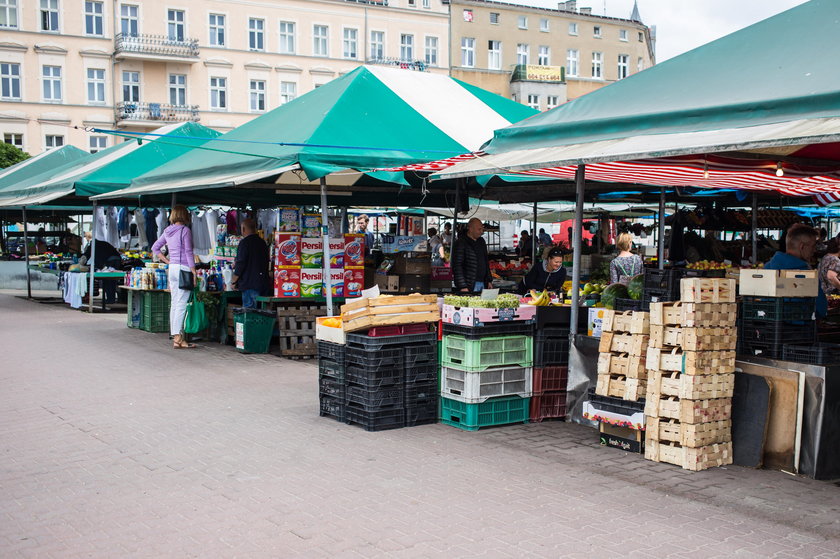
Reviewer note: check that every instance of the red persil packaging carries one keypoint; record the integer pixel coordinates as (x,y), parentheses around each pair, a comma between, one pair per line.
(354,282)
(287,282)
(336,252)
(354,251)
(337,283)
(287,249)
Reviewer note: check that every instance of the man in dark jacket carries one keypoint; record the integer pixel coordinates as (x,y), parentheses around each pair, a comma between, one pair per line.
(470,264)
(250,272)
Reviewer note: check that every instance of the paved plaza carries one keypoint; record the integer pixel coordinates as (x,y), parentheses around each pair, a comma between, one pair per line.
(115,445)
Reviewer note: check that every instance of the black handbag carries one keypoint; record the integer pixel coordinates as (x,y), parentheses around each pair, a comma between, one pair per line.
(185,277)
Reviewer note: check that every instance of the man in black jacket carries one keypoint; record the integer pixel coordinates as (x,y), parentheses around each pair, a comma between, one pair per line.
(250,272)
(470,264)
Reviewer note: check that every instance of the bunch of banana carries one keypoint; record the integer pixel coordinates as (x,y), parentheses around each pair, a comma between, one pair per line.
(541,299)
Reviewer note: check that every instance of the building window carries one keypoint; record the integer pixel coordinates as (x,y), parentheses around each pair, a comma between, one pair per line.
(377,45)
(406,47)
(218,93)
(641,37)
(522,54)
(97,143)
(597,65)
(8,14)
(256,34)
(622,35)
(288,91)
(431,54)
(287,37)
(13,139)
(175,25)
(427,4)
(596,31)
(53,141)
(544,56)
(494,55)
(544,25)
(320,40)
(522,22)
(129,20)
(217,30)
(534,101)
(623,65)
(257,95)
(550,102)
(494,18)
(93,18)
(131,87)
(95,85)
(351,43)
(467,52)
(10,81)
(49,15)
(573,28)
(640,64)
(51,76)
(572,60)
(412,3)
(178,90)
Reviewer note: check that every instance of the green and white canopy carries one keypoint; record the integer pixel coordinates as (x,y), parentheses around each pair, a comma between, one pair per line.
(15,175)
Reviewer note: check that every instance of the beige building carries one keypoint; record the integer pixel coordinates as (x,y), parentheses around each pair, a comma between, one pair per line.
(544,57)
(135,65)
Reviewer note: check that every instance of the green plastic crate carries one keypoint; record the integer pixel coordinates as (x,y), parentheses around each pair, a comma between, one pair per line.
(253,329)
(495,411)
(483,353)
(155,313)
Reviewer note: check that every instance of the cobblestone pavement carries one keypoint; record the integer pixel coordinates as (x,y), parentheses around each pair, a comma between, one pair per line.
(114,445)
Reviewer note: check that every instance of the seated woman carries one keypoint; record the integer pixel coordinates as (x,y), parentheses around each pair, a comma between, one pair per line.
(546,274)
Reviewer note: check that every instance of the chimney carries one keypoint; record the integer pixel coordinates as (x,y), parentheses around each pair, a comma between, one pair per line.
(586,11)
(568,6)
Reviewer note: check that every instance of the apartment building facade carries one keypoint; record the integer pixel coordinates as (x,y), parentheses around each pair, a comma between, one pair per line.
(544,57)
(135,66)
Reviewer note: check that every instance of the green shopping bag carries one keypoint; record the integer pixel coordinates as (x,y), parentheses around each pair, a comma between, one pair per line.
(196,319)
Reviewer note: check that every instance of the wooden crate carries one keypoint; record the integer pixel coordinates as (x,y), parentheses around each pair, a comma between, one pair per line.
(677,313)
(629,322)
(707,290)
(296,324)
(688,411)
(389,310)
(631,366)
(693,339)
(694,459)
(619,386)
(690,387)
(693,435)
(634,344)
(690,362)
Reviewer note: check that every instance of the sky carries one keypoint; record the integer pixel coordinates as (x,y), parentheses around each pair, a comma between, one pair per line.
(682,25)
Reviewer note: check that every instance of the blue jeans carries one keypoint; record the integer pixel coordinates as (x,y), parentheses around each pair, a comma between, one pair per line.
(249,298)
(479,285)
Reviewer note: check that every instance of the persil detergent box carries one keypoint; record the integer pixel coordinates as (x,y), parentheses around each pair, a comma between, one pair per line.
(312,252)
(287,282)
(290,220)
(311,283)
(337,253)
(287,249)
(354,250)
(354,282)
(311,225)
(337,282)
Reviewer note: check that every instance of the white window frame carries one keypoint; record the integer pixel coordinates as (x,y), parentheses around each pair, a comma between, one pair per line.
(522,22)
(130,86)
(13,139)
(320,40)
(350,43)
(544,55)
(256,96)
(95,86)
(533,101)
(596,31)
(551,101)
(623,66)
(52,141)
(407,47)
(572,63)
(52,88)
(377,45)
(216,28)
(494,55)
(598,65)
(130,20)
(176,30)
(523,53)
(430,53)
(427,4)
(94,20)
(288,92)
(97,143)
(177,89)
(640,64)
(218,93)
(573,28)
(288,37)
(256,34)
(49,16)
(545,25)
(622,35)
(9,14)
(467,52)
(10,80)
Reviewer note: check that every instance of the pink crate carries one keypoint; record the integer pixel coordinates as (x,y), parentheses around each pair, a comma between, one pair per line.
(551,405)
(550,379)
(468,316)
(441,273)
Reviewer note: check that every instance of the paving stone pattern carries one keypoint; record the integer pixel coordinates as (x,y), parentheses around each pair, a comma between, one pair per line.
(115,445)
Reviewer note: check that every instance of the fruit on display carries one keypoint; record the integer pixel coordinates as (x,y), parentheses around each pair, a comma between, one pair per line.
(540,299)
(636,286)
(611,293)
(332,322)
(503,301)
(592,289)
(706,265)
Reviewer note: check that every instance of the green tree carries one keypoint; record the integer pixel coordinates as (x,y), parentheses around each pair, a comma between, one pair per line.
(9,155)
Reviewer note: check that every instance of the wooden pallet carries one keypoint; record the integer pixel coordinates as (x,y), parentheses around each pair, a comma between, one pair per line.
(690,362)
(632,389)
(693,339)
(694,459)
(693,435)
(388,310)
(689,411)
(690,387)
(296,327)
(629,322)
(631,366)
(707,290)
(677,313)
(634,344)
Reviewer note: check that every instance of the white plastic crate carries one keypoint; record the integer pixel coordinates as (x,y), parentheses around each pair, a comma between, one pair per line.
(477,387)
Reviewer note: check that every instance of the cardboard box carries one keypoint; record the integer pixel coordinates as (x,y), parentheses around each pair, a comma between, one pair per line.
(624,438)
(287,282)
(336,283)
(327,333)
(387,283)
(404,264)
(392,244)
(310,225)
(470,316)
(779,283)
(354,282)
(290,220)
(596,318)
(287,249)
(337,252)
(311,283)
(312,252)
(354,250)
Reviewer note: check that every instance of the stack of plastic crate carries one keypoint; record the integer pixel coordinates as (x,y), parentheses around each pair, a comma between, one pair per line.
(332,361)
(551,373)
(691,366)
(661,285)
(768,324)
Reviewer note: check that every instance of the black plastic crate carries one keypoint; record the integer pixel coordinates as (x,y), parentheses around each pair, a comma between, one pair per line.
(375,420)
(376,398)
(692,273)
(491,329)
(777,308)
(551,347)
(422,374)
(817,354)
(375,343)
(659,296)
(422,413)
(331,369)
(333,407)
(385,377)
(328,386)
(765,338)
(615,405)
(415,393)
(421,354)
(668,280)
(376,359)
(331,351)
(631,305)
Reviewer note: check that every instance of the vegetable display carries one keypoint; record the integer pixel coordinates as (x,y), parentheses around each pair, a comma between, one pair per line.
(503,301)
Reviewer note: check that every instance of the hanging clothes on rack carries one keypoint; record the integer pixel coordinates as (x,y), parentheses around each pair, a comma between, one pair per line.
(162,221)
(150,224)
(200,234)
(140,221)
(231,217)
(212,219)
(112,233)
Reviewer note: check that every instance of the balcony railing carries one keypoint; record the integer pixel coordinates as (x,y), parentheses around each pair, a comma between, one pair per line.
(417,65)
(157,45)
(155,112)
(535,73)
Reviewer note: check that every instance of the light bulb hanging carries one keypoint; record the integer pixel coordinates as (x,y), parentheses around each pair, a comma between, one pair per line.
(705,169)
(779,171)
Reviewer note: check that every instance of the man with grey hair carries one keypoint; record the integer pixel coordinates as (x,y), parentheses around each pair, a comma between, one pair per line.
(800,244)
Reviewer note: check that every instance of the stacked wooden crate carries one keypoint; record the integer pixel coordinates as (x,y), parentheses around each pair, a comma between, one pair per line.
(691,376)
(621,359)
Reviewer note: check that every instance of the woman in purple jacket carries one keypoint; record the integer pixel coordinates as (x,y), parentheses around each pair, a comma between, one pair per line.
(178,240)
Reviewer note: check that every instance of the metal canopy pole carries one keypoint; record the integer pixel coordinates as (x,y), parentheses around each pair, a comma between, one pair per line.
(325,232)
(26,255)
(458,183)
(661,216)
(534,237)
(92,261)
(754,226)
(577,237)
